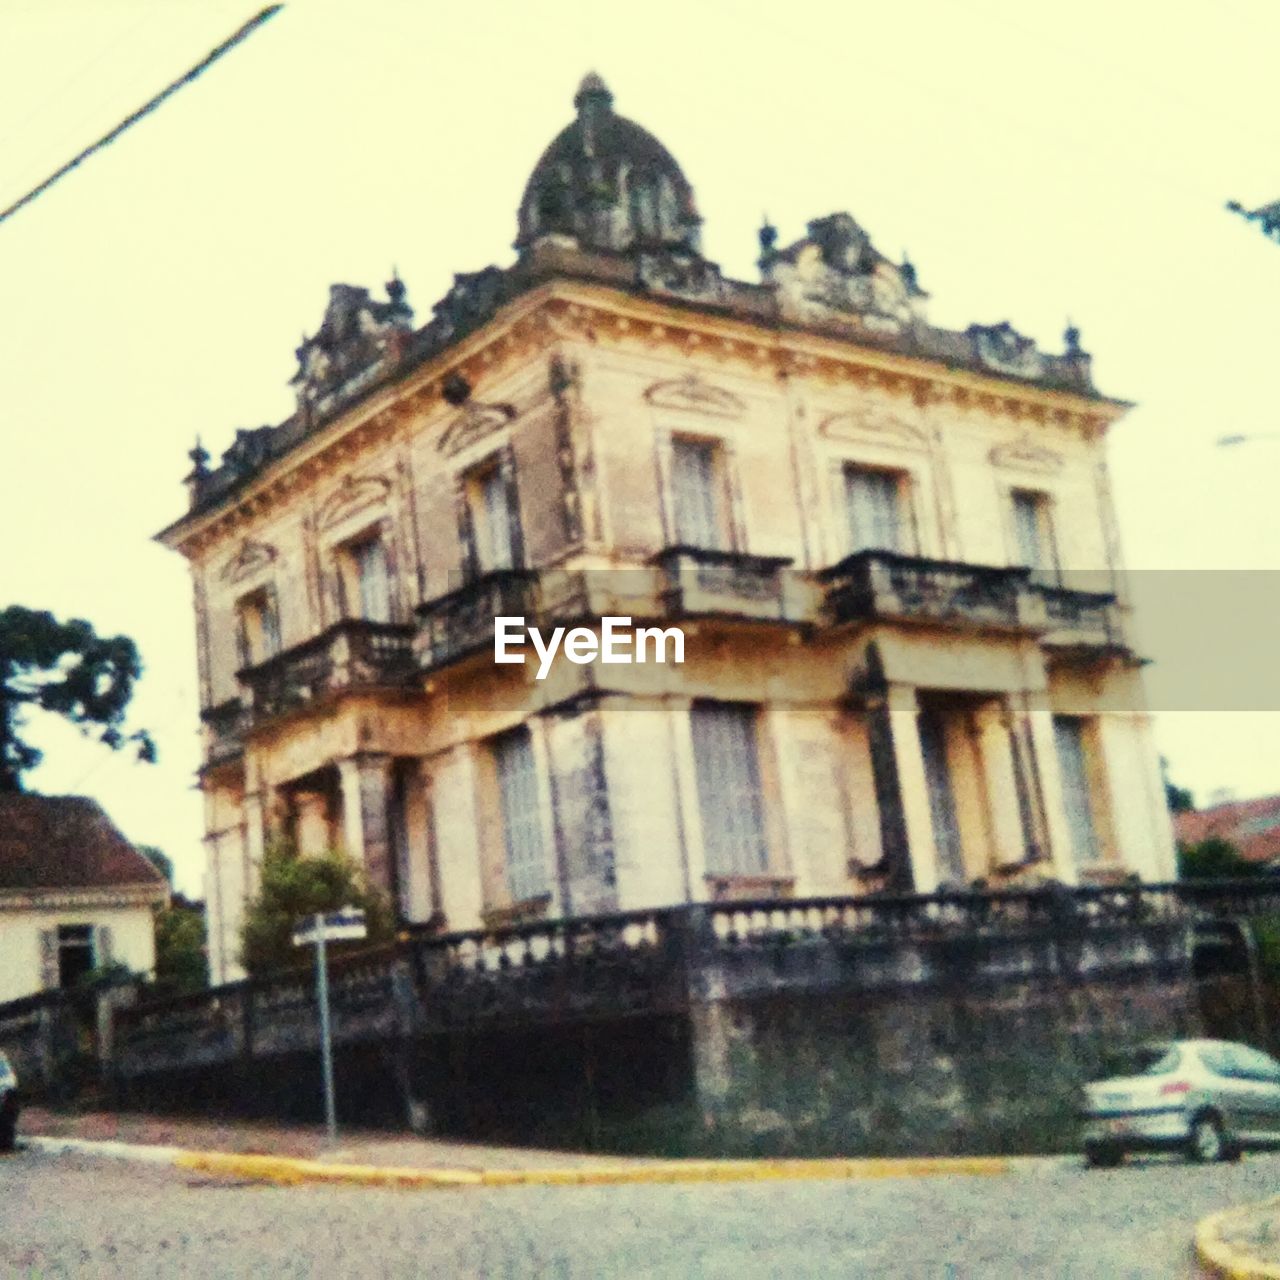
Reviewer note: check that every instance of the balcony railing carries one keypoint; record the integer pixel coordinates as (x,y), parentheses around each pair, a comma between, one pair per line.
(1080,619)
(352,654)
(455,625)
(698,582)
(887,585)
(226,727)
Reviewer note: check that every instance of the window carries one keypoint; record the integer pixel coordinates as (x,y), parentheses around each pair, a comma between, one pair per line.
(491,510)
(700,504)
(875,509)
(521,815)
(370,579)
(1253,1064)
(728,773)
(1033,531)
(71,951)
(257,627)
(1068,732)
(942,802)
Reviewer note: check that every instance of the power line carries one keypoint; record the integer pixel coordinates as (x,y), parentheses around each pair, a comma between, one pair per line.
(108,138)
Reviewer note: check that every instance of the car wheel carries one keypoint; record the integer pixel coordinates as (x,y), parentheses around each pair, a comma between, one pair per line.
(1102,1156)
(8,1132)
(1205,1142)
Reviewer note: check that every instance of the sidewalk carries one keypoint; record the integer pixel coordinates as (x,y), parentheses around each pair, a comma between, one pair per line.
(301,1142)
(296,1154)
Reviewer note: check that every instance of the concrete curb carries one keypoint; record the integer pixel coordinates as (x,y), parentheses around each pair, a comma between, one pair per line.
(288,1171)
(1217,1258)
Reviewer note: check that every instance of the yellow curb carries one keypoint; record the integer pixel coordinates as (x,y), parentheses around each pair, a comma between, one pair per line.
(1220,1259)
(288,1171)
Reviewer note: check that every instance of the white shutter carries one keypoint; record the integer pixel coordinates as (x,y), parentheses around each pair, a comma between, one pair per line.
(1027,529)
(375,585)
(728,774)
(103,946)
(1068,733)
(270,623)
(942,802)
(874,509)
(494,524)
(48,959)
(521,816)
(697,495)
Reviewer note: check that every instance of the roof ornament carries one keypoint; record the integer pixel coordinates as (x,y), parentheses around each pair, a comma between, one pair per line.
(1071,339)
(198,477)
(592,92)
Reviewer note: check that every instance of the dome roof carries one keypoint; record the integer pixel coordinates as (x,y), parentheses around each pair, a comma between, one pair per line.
(608,182)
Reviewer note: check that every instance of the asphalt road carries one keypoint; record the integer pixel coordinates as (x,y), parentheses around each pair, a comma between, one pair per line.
(74,1216)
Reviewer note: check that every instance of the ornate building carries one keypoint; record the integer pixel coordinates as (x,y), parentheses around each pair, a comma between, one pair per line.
(891,547)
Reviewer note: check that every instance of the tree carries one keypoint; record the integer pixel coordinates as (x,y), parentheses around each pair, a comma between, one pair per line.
(66,668)
(1179,799)
(182,958)
(1214,859)
(294,887)
(158,859)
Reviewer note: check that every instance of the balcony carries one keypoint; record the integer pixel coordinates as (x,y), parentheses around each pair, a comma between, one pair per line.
(1084,621)
(351,655)
(886,586)
(226,726)
(698,582)
(460,623)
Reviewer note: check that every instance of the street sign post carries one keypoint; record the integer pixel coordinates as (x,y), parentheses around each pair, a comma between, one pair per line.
(332,926)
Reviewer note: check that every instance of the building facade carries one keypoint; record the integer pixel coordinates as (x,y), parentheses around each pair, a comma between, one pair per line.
(75,895)
(890,547)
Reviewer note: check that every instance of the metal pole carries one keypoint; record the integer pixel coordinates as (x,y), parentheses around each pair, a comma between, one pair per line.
(326,1041)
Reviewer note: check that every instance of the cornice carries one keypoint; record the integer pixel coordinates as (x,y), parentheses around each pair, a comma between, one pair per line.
(573,309)
(82,899)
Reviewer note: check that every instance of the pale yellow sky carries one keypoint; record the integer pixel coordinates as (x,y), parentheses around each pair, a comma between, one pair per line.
(1036,161)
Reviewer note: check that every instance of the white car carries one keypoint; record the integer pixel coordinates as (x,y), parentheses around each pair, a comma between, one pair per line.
(1207,1098)
(8,1105)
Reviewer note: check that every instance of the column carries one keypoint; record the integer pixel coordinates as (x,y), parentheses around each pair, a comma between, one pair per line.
(366,796)
(902,793)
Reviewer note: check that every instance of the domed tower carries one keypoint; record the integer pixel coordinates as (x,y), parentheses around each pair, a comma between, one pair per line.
(609,183)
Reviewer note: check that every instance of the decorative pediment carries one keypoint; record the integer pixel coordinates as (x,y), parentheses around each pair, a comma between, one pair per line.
(354,494)
(474,423)
(683,276)
(693,394)
(1002,348)
(873,424)
(356,339)
(1025,455)
(836,274)
(248,560)
(473,297)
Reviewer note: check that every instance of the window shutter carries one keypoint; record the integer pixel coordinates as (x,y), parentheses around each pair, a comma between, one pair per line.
(270,622)
(515,532)
(1068,733)
(1027,531)
(698,500)
(874,509)
(48,959)
(244,652)
(728,774)
(521,815)
(374,581)
(103,946)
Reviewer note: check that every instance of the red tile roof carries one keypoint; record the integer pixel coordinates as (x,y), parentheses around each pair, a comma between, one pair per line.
(66,842)
(1253,826)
